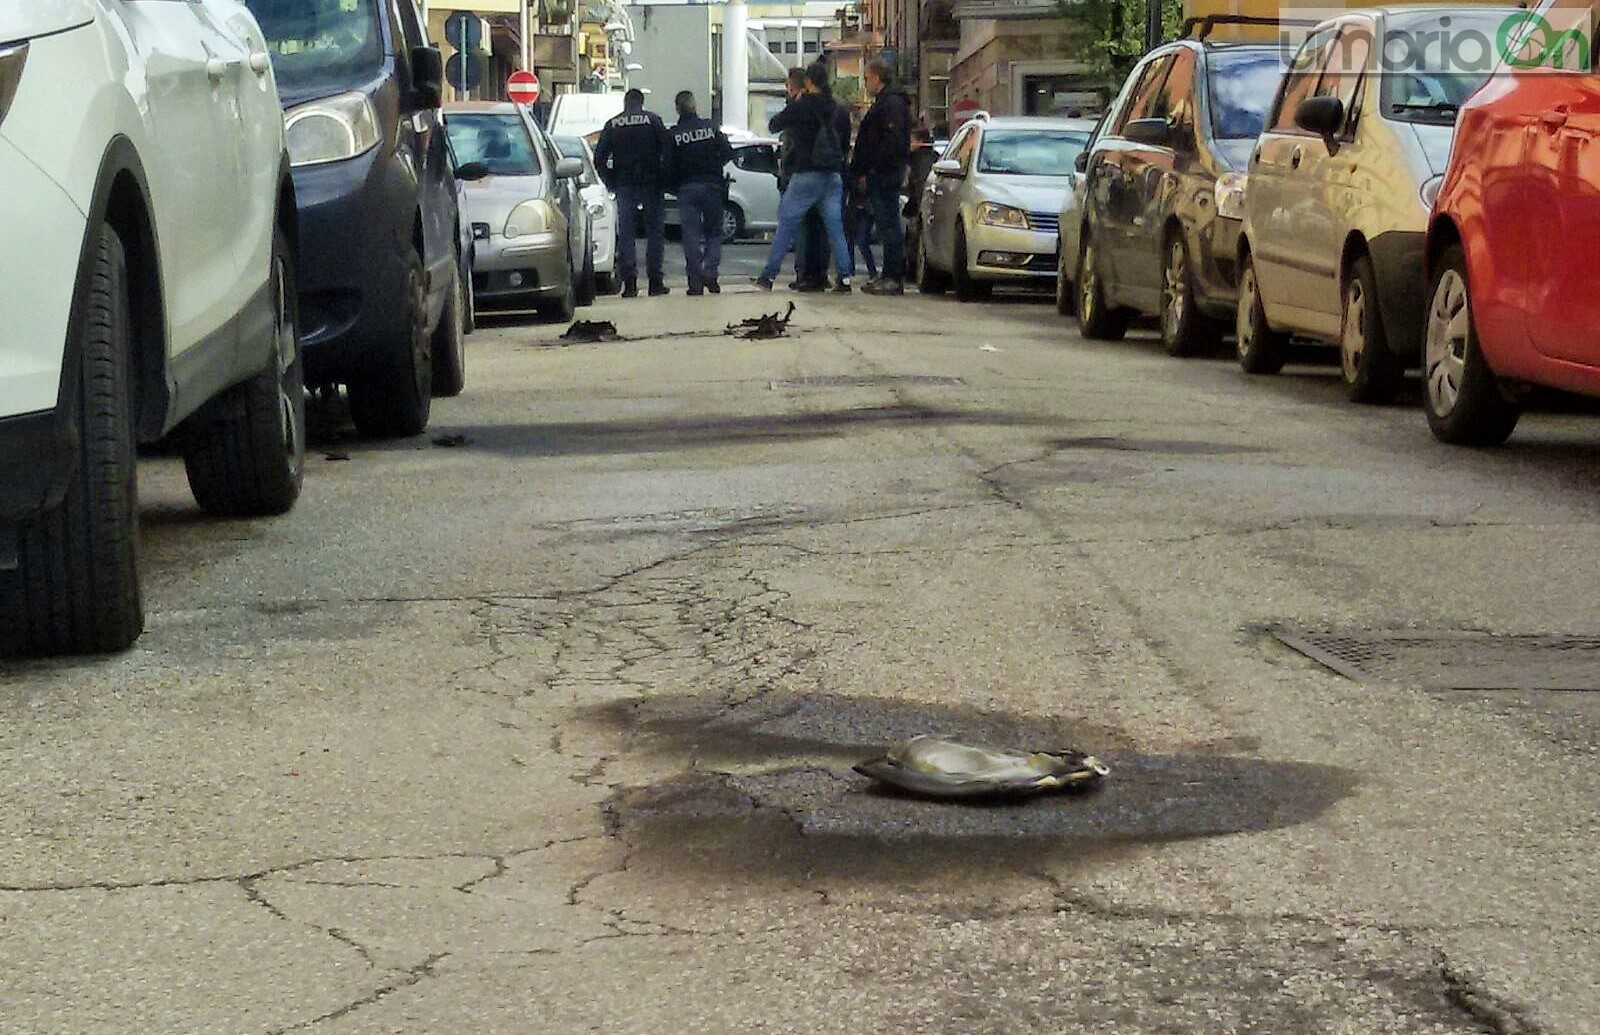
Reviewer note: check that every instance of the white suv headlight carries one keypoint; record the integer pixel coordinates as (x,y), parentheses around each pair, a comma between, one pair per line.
(992,214)
(530,217)
(331,130)
(1229,195)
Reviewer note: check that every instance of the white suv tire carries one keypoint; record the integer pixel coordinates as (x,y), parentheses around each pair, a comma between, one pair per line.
(76,585)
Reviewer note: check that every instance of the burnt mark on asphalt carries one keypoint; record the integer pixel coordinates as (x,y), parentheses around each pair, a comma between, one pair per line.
(809,816)
(654,435)
(1152,445)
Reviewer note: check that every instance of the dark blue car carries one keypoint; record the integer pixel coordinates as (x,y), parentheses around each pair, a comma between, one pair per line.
(382,302)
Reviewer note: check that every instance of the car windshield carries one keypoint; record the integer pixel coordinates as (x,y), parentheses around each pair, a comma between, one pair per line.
(1243,84)
(572,147)
(1031,152)
(1432,82)
(500,142)
(320,44)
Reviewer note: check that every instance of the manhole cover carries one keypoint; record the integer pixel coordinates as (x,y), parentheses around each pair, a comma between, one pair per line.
(873,381)
(1454,660)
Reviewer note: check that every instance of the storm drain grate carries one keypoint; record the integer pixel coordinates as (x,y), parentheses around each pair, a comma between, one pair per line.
(1454,660)
(874,381)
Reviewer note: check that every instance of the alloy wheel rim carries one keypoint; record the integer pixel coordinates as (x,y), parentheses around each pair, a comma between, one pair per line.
(1086,290)
(1174,295)
(421,346)
(285,346)
(1449,324)
(1244,328)
(1353,339)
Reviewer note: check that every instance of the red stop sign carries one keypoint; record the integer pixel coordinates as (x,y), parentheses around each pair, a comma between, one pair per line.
(523,87)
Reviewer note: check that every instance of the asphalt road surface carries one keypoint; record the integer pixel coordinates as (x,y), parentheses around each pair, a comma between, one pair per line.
(543,721)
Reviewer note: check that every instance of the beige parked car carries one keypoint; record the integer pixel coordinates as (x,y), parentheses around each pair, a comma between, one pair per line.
(1341,183)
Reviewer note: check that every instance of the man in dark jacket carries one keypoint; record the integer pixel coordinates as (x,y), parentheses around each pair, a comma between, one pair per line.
(883,149)
(816,155)
(700,151)
(810,248)
(632,158)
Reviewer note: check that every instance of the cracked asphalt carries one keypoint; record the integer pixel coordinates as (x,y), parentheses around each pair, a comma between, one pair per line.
(551,730)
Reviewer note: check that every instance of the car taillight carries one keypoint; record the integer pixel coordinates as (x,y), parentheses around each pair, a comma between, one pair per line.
(12,59)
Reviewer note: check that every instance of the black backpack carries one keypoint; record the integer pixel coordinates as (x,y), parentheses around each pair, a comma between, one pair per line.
(827,154)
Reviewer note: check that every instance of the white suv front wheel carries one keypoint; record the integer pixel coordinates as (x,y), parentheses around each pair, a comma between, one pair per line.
(75,589)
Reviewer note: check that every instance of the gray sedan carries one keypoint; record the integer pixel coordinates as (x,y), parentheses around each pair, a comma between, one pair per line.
(529,224)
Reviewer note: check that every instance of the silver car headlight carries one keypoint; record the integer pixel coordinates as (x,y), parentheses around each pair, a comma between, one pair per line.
(530,217)
(1429,193)
(992,214)
(1229,195)
(331,130)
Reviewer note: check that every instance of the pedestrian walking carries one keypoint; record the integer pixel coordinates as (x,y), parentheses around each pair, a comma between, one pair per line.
(923,156)
(700,154)
(817,156)
(632,158)
(882,152)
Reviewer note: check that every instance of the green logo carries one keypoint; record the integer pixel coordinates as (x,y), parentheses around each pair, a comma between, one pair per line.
(1527,40)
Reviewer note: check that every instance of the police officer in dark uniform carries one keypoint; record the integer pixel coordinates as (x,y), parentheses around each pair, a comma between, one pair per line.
(700,151)
(632,158)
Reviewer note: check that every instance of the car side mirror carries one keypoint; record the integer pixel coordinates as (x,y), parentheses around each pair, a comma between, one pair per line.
(569,169)
(947,167)
(1149,132)
(1320,115)
(427,77)
(472,171)
(1081,163)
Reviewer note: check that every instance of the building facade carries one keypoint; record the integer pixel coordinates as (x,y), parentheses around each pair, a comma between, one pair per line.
(479,70)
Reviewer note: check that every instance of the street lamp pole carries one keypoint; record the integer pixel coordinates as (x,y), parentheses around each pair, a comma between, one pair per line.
(735,65)
(527,38)
(1152,24)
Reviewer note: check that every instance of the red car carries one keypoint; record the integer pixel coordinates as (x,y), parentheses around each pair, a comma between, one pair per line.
(1513,269)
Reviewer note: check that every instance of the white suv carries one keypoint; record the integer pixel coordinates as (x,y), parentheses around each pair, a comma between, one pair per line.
(146,291)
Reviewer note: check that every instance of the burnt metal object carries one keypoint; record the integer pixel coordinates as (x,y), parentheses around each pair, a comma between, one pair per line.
(591,330)
(757,328)
(938,767)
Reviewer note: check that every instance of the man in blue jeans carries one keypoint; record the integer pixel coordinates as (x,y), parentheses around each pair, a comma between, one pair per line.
(700,152)
(817,153)
(883,151)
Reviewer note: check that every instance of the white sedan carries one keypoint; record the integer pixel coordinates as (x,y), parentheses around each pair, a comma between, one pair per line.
(602,205)
(147,290)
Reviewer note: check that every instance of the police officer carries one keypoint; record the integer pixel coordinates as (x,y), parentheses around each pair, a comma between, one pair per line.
(699,152)
(632,157)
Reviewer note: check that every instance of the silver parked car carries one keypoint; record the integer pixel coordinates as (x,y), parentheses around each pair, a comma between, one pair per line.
(530,227)
(1340,187)
(991,207)
(602,206)
(752,206)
